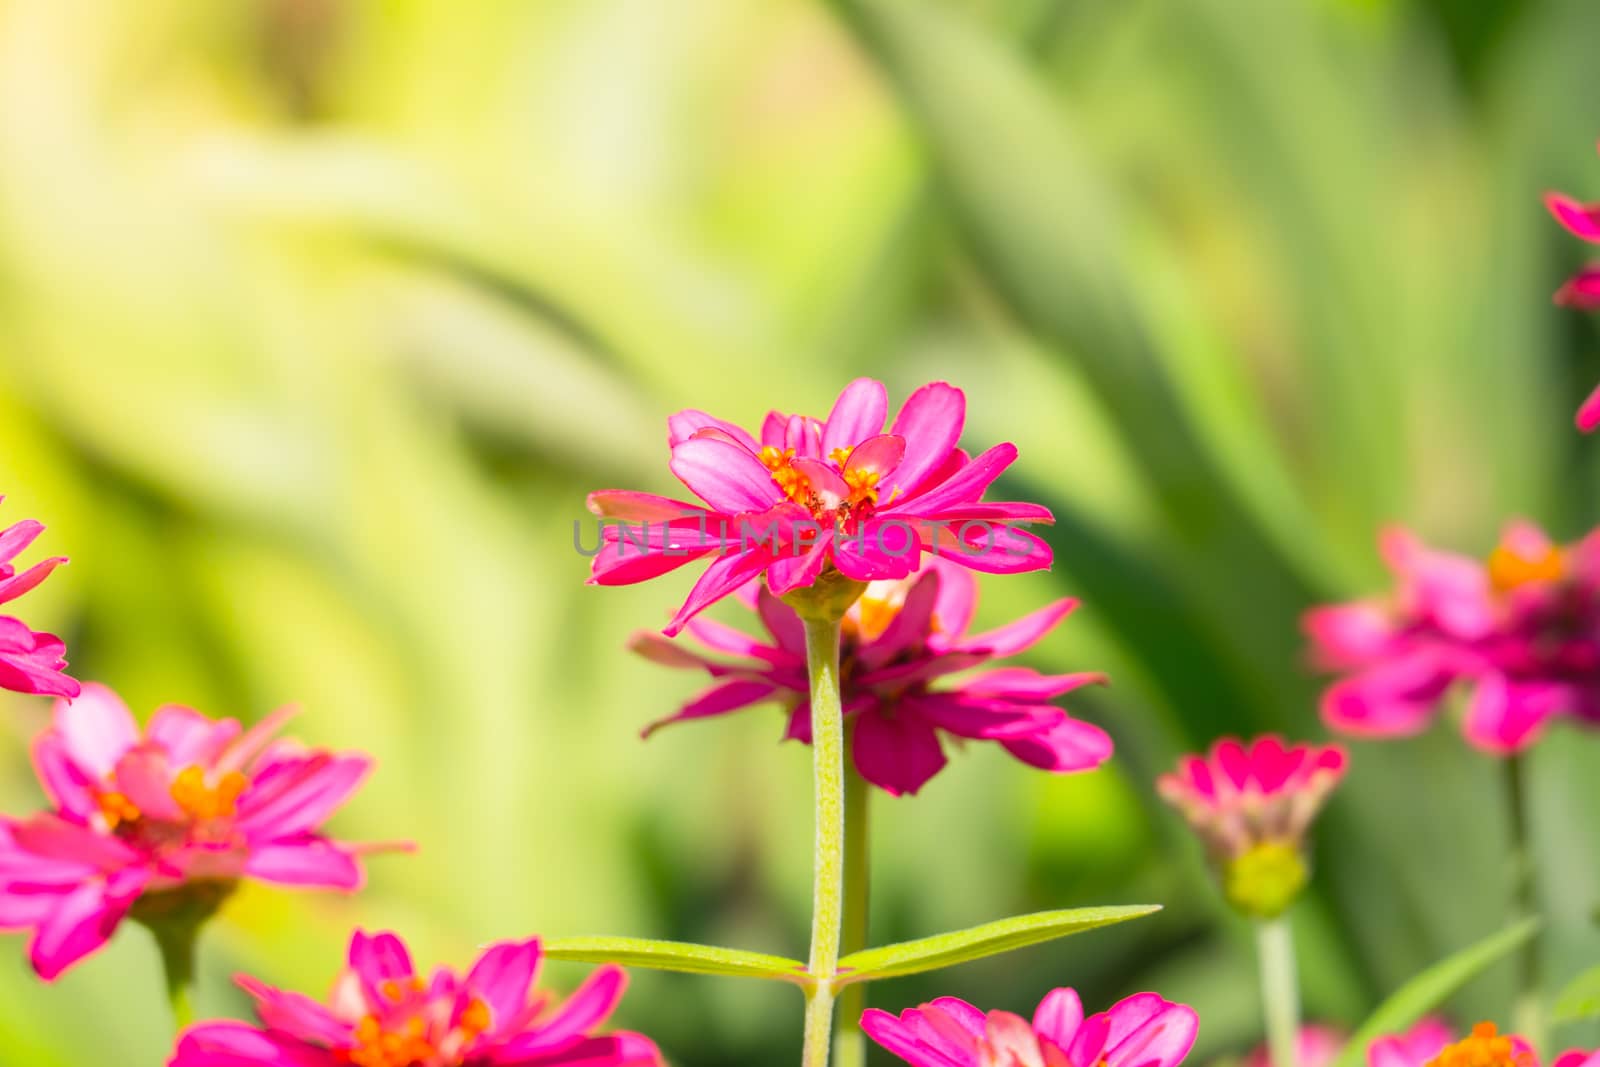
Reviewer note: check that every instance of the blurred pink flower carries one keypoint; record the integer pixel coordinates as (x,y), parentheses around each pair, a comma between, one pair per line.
(1518,634)
(1251,805)
(1143,1030)
(1577,1058)
(1582,290)
(188,807)
(1316,1045)
(812,495)
(29,662)
(898,639)
(382,1013)
(1431,1044)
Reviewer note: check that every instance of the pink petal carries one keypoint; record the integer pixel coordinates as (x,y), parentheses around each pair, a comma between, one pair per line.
(298,1016)
(586,1009)
(503,979)
(1581,220)
(239,755)
(718,700)
(911,625)
(721,637)
(1349,635)
(965,486)
(1059,1016)
(789,573)
(993,549)
(665,652)
(623,562)
(377,959)
(1396,698)
(238,1045)
(52,837)
(879,455)
(1025,683)
(18,584)
(612,1050)
(81,923)
(857,415)
(15,539)
(930,421)
(1066,746)
(1505,717)
(782,622)
(1024,633)
(830,489)
(96,728)
(775,430)
(301,797)
(1589,413)
(685,424)
(32,662)
(70,790)
(1577,1058)
(144,776)
(896,1036)
(804,435)
(311,863)
(630,506)
(189,738)
(879,550)
(729,478)
(898,755)
(726,574)
(1147,1031)
(978,720)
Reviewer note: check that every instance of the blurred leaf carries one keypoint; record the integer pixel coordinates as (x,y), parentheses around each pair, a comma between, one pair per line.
(990,939)
(676,956)
(1430,989)
(1581,999)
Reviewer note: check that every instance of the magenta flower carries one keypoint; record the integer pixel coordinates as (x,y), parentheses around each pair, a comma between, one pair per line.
(1251,805)
(1316,1045)
(1578,1058)
(899,639)
(1141,1031)
(181,811)
(811,495)
(1429,1044)
(29,662)
(1518,635)
(382,1013)
(1582,290)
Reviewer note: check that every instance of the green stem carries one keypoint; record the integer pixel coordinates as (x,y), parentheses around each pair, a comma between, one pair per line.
(827,750)
(1527,1018)
(1280,989)
(849,1043)
(177,944)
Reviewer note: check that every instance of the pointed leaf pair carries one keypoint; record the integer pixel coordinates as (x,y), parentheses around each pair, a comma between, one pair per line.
(677,956)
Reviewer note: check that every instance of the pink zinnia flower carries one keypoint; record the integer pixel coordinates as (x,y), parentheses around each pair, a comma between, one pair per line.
(1316,1045)
(191,805)
(29,662)
(899,639)
(1429,1044)
(812,495)
(382,1013)
(1251,805)
(1143,1030)
(1582,290)
(1518,634)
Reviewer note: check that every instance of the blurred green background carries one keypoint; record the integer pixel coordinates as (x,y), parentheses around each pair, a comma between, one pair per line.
(319,317)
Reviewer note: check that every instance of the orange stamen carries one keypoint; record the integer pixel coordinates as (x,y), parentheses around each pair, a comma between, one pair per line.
(1509,569)
(117,809)
(474,1018)
(1484,1047)
(377,1047)
(201,801)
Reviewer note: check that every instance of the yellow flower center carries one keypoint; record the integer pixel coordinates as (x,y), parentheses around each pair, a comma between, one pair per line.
(862,482)
(1484,1047)
(1509,569)
(117,809)
(201,801)
(377,1047)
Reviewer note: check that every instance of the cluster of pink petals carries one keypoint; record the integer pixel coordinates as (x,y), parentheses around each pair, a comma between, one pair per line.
(1415,1048)
(1517,634)
(1246,794)
(30,662)
(1316,1045)
(188,801)
(810,495)
(1143,1030)
(382,1013)
(1582,290)
(898,639)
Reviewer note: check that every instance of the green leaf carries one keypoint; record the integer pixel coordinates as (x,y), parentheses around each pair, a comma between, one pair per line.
(1429,989)
(990,939)
(677,956)
(1581,999)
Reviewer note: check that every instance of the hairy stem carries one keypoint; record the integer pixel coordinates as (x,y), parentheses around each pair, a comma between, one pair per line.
(1280,988)
(849,1043)
(827,896)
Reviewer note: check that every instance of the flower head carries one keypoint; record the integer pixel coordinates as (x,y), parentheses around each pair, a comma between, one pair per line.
(899,641)
(1429,1044)
(1316,1045)
(1582,290)
(811,496)
(1517,633)
(1142,1031)
(1251,805)
(29,662)
(164,820)
(382,1013)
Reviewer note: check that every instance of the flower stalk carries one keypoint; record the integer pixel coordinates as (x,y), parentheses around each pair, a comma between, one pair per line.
(1280,988)
(1526,1014)
(828,868)
(849,1043)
